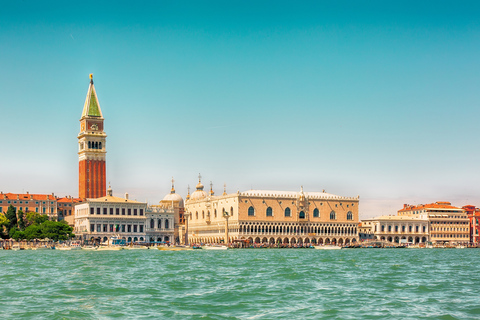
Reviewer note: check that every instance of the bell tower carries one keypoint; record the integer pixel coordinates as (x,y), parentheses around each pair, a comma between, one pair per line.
(91,148)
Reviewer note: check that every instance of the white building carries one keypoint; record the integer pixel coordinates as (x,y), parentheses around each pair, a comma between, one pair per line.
(160,224)
(109,216)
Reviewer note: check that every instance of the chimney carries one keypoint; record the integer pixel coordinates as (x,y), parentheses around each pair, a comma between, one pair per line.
(126,195)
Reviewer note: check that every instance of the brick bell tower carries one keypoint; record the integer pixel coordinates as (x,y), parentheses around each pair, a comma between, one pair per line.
(91,148)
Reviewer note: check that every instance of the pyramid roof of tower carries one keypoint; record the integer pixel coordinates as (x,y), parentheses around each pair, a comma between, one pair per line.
(91,107)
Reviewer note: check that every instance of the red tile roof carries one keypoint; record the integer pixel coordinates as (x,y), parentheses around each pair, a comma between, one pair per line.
(26,196)
(439,204)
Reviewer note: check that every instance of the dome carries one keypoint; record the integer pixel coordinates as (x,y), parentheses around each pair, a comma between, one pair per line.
(199,193)
(175,198)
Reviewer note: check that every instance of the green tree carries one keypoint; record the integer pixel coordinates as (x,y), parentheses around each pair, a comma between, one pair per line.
(4,223)
(21,220)
(35,218)
(56,230)
(12,217)
(33,232)
(17,235)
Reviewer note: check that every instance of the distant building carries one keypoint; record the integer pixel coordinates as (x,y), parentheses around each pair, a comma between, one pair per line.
(91,148)
(108,216)
(365,231)
(66,209)
(171,203)
(264,216)
(160,226)
(447,224)
(398,229)
(473,214)
(29,202)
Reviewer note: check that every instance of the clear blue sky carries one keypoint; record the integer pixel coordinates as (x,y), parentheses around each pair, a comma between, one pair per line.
(372,98)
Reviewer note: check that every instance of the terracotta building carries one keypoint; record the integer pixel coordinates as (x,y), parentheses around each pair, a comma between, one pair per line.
(66,209)
(473,214)
(91,148)
(28,202)
(447,224)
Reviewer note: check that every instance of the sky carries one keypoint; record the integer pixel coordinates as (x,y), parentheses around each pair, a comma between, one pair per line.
(372,98)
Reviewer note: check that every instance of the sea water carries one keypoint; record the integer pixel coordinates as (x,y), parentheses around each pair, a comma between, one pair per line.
(241,284)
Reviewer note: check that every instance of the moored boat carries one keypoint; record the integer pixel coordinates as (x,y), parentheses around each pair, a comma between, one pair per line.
(214,247)
(328,247)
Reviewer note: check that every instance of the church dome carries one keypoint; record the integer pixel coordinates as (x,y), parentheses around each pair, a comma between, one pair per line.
(175,197)
(172,196)
(199,193)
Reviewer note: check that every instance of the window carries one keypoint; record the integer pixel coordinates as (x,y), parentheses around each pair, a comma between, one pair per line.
(92,227)
(349,215)
(129,228)
(99,228)
(141,228)
(333,215)
(111,210)
(117,211)
(134,212)
(251,211)
(123,228)
(152,223)
(129,212)
(403,228)
(98,210)
(105,228)
(287,212)
(135,227)
(416,229)
(123,211)
(159,224)
(111,228)
(141,212)
(409,228)
(117,228)
(389,228)
(104,210)
(316,213)
(396,228)
(383,228)
(269,212)
(166,223)
(301,215)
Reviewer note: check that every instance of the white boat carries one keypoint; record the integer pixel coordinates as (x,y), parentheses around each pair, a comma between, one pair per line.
(91,248)
(328,247)
(63,248)
(109,248)
(16,247)
(215,247)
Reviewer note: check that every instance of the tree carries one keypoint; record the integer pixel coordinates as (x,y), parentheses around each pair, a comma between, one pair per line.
(56,230)
(21,220)
(4,222)
(35,218)
(12,217)
(33,232)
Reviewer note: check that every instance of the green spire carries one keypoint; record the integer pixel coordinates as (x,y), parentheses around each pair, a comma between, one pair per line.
(91,107)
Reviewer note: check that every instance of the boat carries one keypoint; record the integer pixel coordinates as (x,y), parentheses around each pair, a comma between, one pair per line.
(110,248)
(75,245)
(174,248)
(63,248)
(328,247)
(16,247)
(214,247)
(91,248)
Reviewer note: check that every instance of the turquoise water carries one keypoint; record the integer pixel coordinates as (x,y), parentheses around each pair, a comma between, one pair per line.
(241,284)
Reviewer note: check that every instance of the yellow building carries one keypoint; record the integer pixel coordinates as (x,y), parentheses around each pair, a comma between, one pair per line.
(264,216)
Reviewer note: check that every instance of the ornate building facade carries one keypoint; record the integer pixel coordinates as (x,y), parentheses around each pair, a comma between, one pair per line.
(397,229)
(91,148)
(29,202)
(264,216)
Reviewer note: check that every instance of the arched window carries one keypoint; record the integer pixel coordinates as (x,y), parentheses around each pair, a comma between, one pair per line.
(215,213)
(269,212)
(349,215)
(251,211)
(89,144)
(100,145)
(203,214)
(231,211)
(287,212)
(159,226)
(166,223)
(96,145)
(301,215)
(152,223)
(333,215)
(196,215)
(316,213)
